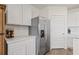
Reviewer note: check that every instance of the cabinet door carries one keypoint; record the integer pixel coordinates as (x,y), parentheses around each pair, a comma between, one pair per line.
(77,19)
(72,19)
(14,12)
(70,42)
(17,48)
(31,50)
(76,46)
(27,14)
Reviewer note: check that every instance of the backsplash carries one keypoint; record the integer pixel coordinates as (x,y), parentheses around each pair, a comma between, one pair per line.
(18,30)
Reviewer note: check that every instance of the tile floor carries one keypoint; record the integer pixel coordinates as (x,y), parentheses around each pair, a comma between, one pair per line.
(60,52)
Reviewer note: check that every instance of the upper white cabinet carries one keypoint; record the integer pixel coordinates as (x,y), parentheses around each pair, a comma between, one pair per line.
(14,14)
(73,17)
(27,14)
(19,14)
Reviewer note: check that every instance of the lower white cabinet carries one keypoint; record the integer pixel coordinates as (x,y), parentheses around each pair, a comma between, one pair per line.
(70,42)
(31,46)
(76,46)
(24,46)
(17,48)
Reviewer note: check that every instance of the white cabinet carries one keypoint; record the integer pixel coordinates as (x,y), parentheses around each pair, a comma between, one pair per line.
(76,46)
(31,46)
(22,46)
(77,19)
(19,14)
(70,42)
(17,48)
(14,14)
(27,14)
(73,17)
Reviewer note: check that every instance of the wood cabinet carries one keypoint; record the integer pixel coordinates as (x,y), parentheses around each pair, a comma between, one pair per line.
(19,14)
(2,30)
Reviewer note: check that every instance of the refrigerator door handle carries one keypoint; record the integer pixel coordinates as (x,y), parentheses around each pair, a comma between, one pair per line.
(1,33)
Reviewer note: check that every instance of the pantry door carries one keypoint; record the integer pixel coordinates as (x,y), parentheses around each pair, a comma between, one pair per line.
(58,31)
(2,31)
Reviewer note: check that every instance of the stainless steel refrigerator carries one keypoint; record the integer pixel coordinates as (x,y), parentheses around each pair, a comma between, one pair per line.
(41,29)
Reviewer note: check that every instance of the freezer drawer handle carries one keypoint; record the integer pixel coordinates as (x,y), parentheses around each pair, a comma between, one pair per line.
(1,33)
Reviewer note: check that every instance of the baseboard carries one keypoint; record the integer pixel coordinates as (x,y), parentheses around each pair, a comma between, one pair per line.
(62,48)
(57,48)
(69,48)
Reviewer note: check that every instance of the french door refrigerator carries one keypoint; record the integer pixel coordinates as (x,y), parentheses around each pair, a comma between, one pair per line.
(41,29)
(2,30)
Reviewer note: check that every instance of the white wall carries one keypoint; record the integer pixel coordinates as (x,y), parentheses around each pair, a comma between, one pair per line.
(44,12)
(57,11)
(35,12)
(39,12)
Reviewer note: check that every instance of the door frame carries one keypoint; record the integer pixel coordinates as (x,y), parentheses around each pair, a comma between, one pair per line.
(65,45)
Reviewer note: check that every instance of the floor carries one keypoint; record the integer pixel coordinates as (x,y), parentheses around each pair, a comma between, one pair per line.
(60,52)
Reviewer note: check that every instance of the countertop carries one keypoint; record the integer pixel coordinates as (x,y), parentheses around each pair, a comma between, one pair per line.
(19,38)
(73,36)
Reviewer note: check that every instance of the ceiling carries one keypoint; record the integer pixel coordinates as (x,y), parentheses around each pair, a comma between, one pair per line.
(62,5)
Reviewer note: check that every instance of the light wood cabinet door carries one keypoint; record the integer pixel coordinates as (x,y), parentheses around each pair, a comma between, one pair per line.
(2,31)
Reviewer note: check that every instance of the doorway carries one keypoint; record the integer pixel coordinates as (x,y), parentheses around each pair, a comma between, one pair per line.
(58,31)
